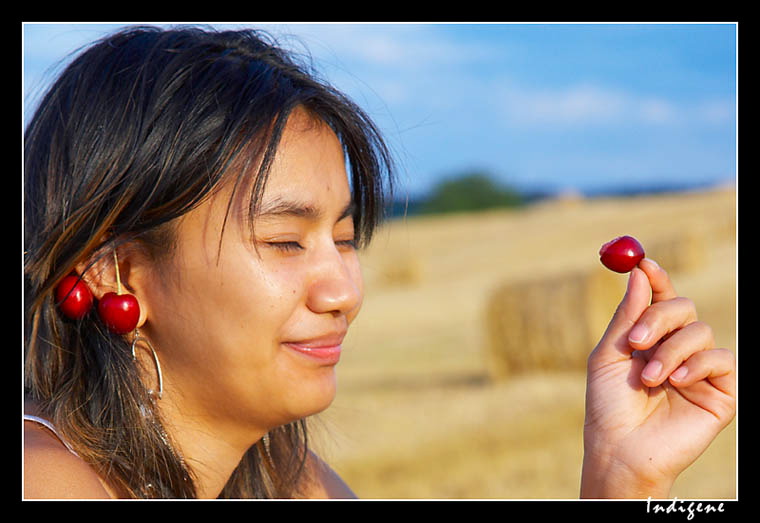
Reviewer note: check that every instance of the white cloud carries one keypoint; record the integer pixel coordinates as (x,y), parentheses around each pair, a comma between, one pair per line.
(586,105)
(716,112)
(581,104)
(394,45)
(655,111)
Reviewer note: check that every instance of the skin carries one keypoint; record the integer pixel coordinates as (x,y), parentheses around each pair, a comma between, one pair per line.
(52,472)
(221,316)
(644,427)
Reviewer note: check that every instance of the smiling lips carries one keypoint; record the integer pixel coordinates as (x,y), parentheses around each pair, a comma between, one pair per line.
(325,349)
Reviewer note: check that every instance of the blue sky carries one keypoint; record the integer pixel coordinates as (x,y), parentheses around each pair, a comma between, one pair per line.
(581,107)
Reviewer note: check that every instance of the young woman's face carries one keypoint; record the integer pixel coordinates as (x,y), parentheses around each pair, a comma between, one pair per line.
(250,330)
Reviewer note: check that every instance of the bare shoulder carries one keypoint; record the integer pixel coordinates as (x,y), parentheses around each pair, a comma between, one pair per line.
(51,471)
(322,482)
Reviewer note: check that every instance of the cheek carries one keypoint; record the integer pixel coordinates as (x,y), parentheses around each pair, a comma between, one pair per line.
(235,301)
(279,284)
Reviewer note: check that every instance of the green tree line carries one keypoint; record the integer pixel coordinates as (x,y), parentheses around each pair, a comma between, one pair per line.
(468,192)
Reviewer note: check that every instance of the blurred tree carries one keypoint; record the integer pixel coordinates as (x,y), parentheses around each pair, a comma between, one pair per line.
(471,191)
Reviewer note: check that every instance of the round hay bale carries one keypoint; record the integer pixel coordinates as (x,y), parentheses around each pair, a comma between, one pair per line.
(406,270)
(549,323)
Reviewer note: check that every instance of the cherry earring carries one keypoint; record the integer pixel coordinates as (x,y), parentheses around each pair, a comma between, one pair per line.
(73,297)
(120,312)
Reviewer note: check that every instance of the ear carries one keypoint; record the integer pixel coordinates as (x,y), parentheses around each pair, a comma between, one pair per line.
(99,272)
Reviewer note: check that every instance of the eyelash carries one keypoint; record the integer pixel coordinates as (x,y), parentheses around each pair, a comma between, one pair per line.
(286,246)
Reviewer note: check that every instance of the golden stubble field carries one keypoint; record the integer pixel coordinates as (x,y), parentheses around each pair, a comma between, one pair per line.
(420,412)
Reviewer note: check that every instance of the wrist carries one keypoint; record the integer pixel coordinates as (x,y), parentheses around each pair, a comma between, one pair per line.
(605,477)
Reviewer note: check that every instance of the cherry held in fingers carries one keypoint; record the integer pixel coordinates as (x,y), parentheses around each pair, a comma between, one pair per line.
(621,254)
(120,312)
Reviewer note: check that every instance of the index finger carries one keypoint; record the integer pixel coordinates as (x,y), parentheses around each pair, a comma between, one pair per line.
(662,287)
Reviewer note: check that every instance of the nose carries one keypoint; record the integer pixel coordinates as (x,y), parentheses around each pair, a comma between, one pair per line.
(336,284)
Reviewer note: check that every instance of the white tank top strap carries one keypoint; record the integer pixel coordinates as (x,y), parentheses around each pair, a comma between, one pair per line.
(48,425)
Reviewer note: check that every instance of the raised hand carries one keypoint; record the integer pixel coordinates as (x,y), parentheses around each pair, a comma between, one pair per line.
(658,392)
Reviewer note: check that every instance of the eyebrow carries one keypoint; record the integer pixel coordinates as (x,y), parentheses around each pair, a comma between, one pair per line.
(288,208)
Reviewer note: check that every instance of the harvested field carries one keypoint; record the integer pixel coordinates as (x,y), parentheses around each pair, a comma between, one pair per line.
(436,401)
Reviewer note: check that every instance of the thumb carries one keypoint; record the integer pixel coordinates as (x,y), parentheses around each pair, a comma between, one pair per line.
(614,344)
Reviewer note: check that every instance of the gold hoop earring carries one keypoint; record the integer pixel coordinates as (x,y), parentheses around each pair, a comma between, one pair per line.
(137,338)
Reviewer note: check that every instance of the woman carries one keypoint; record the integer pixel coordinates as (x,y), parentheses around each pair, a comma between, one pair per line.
(216,181)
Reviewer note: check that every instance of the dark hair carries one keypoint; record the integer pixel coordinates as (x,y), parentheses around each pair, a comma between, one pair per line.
(139,129)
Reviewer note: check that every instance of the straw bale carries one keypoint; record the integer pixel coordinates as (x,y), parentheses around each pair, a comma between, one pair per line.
(401,270)
(549,323)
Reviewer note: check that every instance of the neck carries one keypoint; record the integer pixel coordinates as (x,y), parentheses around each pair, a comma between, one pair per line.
(209,448)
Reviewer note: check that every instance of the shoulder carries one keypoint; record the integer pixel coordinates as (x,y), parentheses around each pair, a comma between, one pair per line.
(322,482)
(51,471)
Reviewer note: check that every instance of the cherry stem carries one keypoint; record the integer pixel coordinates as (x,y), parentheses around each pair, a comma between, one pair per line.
(118,278)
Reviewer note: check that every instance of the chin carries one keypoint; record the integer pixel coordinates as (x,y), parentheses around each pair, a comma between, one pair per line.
(313,394)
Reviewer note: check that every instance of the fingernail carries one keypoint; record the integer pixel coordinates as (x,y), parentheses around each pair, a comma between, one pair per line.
(654,263)
(638,333)
(652,370)
(680,373)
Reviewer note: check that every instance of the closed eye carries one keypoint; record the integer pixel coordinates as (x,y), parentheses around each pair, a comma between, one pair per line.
(286,246)
(347,243)
(295,246)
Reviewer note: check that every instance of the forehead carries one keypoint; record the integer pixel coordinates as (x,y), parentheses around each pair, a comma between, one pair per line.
(309,164)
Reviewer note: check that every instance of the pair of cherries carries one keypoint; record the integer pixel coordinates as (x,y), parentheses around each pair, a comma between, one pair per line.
(119,312)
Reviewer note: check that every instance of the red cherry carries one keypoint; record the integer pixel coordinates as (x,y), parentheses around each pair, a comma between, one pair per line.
(73,297)
(621,254)
(120,312)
